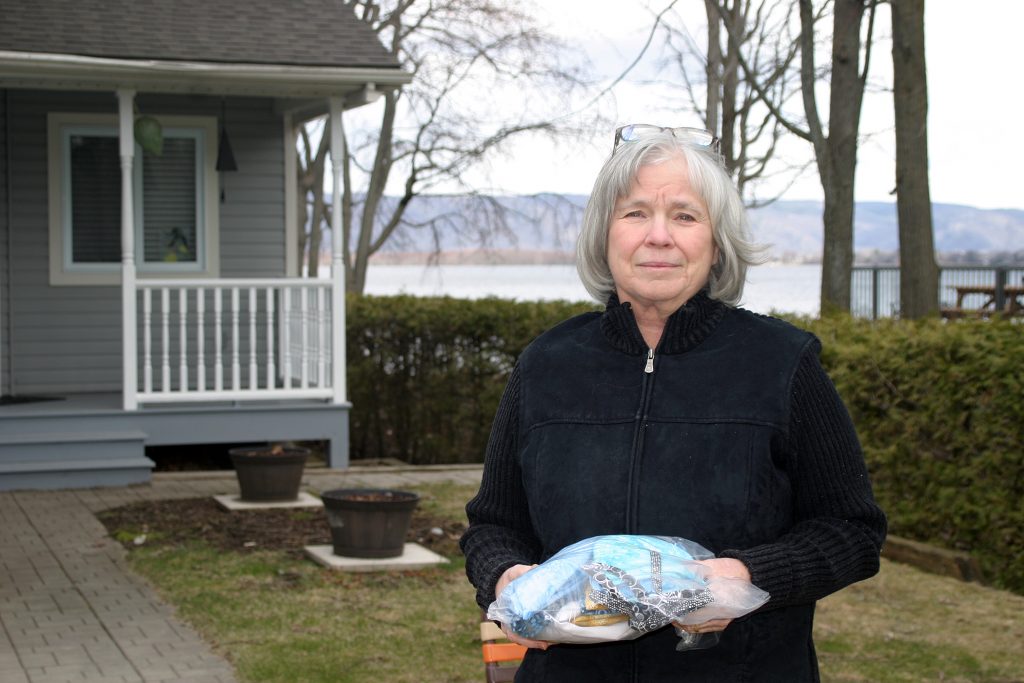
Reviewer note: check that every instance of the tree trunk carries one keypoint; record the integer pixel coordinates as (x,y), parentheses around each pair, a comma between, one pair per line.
(919,273)
(713,70)
(302,216)
(837,253)
(310,205)
(730,86)
(846,94)
(316,233)
(374,196)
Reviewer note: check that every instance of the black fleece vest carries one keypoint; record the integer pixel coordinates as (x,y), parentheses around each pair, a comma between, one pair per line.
(688,449)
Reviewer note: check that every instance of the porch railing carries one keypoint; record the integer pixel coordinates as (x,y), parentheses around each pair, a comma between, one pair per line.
(234,340)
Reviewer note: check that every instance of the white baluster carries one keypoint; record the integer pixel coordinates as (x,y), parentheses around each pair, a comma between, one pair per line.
(253,372)
(236,380)
(147,340)
(218,341)
(183,339)
(200,341)
(321,342)
(286,326)
(165,339)
(304,298)
(271,379)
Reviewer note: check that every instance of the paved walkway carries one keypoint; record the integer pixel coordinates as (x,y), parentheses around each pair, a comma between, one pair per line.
(70,609)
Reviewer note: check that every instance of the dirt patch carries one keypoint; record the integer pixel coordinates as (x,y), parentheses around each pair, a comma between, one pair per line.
(175,522)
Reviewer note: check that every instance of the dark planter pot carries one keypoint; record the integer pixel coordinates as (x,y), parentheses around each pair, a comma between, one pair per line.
(369,522)
(265,477)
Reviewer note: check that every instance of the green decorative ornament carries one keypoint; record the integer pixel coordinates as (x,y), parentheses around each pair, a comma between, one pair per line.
(149,134)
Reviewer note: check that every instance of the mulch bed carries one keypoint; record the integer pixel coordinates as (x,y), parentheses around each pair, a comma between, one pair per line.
(175,522)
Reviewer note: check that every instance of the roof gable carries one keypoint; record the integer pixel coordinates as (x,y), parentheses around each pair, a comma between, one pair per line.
(313,33)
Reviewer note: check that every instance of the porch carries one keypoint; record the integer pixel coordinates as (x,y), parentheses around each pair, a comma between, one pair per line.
(139,353)
(148,282)
(224,361)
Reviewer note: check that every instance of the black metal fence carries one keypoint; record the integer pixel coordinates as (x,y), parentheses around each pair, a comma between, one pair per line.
(875,291)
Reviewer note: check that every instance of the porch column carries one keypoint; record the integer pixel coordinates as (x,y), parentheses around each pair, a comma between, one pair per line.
(338,361)
(129,351)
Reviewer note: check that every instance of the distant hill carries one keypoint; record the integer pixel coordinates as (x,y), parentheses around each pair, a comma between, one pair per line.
(543,229)
(796,226)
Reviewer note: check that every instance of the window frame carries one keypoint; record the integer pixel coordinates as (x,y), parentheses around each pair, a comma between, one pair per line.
(61,126)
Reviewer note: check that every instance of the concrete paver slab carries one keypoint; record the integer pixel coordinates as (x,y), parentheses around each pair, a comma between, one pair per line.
(414,556)
(233,502)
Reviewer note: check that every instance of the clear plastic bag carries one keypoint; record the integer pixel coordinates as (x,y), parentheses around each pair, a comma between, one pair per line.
(619,587)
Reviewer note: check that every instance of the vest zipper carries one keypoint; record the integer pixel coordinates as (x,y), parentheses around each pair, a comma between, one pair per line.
(633,495)
(632,499)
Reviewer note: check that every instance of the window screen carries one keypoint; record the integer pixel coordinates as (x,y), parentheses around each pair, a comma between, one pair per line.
(95,199)
(167,194)
(169,203)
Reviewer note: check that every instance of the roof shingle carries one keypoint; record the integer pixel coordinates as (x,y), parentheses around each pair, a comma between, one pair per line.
(315,33)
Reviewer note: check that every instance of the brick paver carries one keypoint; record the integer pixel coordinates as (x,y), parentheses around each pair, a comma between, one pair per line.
(71,610)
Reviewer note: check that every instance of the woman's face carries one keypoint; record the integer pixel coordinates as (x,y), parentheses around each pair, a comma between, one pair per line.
(660,244)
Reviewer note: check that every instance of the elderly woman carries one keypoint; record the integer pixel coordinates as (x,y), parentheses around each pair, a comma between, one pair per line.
(675,413)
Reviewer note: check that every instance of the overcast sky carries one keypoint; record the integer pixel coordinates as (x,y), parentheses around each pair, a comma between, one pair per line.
(974,56)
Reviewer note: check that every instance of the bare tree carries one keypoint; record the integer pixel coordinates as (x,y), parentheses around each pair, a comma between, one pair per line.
(313,211)
(759,34)
(919,273)
(484,73)
(835,149)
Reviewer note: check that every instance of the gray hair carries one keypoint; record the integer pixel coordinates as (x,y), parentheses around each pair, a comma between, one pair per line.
(736,250)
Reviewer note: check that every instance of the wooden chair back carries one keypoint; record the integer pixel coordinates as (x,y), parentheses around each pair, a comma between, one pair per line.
(501,658)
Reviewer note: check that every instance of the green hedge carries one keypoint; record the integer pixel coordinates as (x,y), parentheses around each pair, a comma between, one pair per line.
(425,374)
(939,407)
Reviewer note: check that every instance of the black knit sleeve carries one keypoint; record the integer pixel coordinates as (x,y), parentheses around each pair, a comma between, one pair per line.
(838,528)
(500,533)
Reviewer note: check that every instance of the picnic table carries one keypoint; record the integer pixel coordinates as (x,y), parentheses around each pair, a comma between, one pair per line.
(1012,299)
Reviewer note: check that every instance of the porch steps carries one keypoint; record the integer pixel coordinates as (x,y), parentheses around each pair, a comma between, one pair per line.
(73,460)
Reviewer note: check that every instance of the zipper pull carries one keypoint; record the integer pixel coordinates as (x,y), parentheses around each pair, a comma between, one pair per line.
(650,361)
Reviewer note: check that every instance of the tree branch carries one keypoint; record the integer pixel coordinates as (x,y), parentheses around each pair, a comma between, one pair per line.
(752,78)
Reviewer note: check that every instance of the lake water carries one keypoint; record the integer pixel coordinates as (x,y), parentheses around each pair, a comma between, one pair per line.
(782,288)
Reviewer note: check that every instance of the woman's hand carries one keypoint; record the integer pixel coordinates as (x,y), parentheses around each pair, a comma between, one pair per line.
(720,566)
(513,572)
(726,567)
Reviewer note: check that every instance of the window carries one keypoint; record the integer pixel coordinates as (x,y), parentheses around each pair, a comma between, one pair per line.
(174,200)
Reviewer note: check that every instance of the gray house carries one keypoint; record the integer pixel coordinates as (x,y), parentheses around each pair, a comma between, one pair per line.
(148,229)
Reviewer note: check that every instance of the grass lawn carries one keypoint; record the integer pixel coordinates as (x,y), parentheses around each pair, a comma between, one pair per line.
(281,618)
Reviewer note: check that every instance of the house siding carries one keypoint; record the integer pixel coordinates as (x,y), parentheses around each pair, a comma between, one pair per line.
(5,266)
(68,339)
